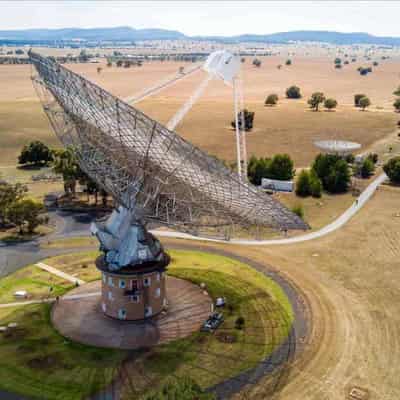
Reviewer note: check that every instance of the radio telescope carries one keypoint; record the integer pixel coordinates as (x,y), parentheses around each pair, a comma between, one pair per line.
(340,147)
(220,65)
(154,176)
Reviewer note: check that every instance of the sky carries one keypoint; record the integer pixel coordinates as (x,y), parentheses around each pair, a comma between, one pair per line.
(198,17)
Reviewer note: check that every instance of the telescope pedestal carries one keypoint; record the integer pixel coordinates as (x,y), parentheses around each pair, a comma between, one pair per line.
(135,292)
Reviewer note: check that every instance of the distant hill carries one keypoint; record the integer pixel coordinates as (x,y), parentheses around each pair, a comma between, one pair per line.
(122,33)
(125,33)
(316,36)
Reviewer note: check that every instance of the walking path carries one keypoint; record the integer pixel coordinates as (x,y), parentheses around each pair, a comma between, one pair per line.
(336,224)
(26,303)
(59,273)
(50,300)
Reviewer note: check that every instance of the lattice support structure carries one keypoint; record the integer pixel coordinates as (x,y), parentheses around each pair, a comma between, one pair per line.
(148,168)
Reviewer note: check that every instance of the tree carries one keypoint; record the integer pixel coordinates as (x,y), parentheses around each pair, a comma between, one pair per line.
(367,168)
(258,169)
(281,167)
(375,63)
(333,171)
(271,100)
(9,194)
(65,164)
(308,184)
(293,92)
(392,169)
(119,63)
(337,61)
(288,62)
(83,56)
(396,105)
(397,91)
(364,103)
(330,104)
(257,62)
(248,117)
(36,153)
(315,100)
(303,187)
(357,98)
(26,213)
(338,179)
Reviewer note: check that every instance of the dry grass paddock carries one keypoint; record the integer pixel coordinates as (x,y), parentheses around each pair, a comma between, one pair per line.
(290,127)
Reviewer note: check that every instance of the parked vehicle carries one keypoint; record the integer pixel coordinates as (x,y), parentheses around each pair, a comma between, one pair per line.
(212,322)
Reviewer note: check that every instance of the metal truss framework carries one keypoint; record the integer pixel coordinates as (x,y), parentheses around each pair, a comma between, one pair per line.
(147,168)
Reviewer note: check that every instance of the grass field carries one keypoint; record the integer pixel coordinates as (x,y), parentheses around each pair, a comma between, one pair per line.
(39,363)
(350,279)
(31,350)
(290,127)
(35,281)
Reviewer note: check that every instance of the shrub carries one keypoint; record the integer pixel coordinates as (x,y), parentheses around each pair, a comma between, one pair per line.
(346,62)
(179,388)
(315,185)
(375,63)
(288,62)
(257,62)
(392,169)
(397,92)
(367,168)
(298,210)
(396,105)
(239,323)
(293,92)
(330,104)
(338,66)
(271,100)
(364,103)
(350,158)
(337,61)
(357,98)
(303,186)
(373,157)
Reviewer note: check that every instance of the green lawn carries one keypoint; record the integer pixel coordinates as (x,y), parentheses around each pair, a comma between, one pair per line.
(36,361)
(35,281)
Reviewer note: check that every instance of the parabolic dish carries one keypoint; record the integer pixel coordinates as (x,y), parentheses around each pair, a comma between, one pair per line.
(146,167)
(337,146)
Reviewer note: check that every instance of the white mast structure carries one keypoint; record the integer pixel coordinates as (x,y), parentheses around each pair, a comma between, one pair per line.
(222,65)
